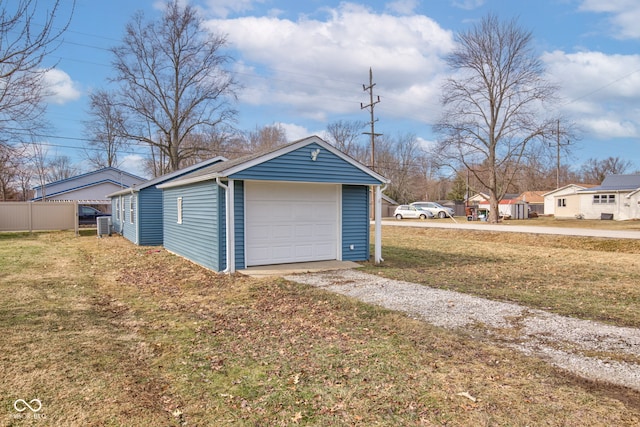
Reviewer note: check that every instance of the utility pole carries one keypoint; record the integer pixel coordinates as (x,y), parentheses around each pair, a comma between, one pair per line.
(370,107)
(558,156)
(558,145)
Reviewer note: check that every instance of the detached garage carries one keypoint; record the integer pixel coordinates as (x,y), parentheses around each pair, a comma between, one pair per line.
(305,201)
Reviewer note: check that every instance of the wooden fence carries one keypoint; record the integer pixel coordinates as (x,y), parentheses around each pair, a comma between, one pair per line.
(38,216)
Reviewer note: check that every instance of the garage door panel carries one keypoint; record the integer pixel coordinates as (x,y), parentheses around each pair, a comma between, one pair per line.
(289,222)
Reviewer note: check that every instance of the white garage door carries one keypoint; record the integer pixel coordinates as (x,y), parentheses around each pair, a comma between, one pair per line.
(288,222)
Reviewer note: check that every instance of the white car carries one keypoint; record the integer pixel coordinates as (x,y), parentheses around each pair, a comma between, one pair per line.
(408,211)
(435,208)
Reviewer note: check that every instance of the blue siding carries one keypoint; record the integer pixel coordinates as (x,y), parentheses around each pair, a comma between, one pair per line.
(115,222)
(199,237)
(298,166)
(128,229)
(239,224)
(355,222)
(149,223)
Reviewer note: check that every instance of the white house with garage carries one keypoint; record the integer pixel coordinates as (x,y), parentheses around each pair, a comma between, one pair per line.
(618,198)
(557,202)
(304,201)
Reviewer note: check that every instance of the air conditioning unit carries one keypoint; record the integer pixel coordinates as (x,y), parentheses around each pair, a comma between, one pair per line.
(104,226)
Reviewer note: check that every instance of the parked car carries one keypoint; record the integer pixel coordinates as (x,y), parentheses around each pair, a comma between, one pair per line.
(408,211)
(88,215)
(435,208)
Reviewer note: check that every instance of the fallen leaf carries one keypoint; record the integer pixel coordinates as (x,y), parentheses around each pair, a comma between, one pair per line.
(297,417)
(467,395)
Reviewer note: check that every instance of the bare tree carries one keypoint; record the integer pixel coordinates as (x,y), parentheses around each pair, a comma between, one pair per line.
(27,35)
(37,153)
(8,171)
(594,171)
(402,160)
(59,168)
(266,138)
(104,130)
(345,136)
(172,81)
(493,104)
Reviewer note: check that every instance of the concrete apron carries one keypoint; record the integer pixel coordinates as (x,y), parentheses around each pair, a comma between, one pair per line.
(279,270)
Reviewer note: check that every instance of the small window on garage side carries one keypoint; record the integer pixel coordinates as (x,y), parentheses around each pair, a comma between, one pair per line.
(132,209)
(179,210)
(562,203)
(596,199)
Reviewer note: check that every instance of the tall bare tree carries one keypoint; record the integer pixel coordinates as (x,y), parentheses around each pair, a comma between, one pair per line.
(60,167)
(493,103)
(346,137)
(104,130)
(401,159)
(9,167)
(37,155)
(266,138)
(28,34)
(594,171)
(172,81)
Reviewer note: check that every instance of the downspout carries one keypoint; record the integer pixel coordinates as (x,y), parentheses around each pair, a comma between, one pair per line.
(228,213)
(378,226)
(136,228)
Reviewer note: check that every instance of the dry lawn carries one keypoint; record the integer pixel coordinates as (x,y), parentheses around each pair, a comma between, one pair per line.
(105,333)
(584,277)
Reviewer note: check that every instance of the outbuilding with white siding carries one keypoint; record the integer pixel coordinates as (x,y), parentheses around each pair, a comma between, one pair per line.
(304,201)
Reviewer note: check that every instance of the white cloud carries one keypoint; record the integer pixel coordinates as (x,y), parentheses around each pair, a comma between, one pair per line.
(468,4)
(223,8)
(624,15)
(294,132)
(402,7)
(317,67)
(135,164)
(600,91)
(60,87)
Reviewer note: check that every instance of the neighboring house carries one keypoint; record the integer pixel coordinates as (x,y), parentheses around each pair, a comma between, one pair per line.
(136,211)
(505,207)
(88,188)
(535,200)
(304,201)
(618,197)
(559,202)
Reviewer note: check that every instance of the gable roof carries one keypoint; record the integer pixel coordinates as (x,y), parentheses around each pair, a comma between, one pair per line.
(95,172)
(169,176)
(578,187)
(230,167)
(617,183)
(531,197)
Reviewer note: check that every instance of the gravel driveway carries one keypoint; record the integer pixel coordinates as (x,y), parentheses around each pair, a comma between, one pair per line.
(562,341)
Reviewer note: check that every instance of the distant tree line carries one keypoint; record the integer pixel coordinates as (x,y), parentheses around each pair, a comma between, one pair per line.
(171,95)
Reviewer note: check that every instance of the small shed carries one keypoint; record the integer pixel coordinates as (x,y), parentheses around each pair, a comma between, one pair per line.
(304,201)
(137,210)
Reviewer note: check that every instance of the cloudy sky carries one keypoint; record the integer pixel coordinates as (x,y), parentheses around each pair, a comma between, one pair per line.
(303,63)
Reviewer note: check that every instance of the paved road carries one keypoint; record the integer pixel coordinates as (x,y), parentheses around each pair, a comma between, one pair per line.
(509,227)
